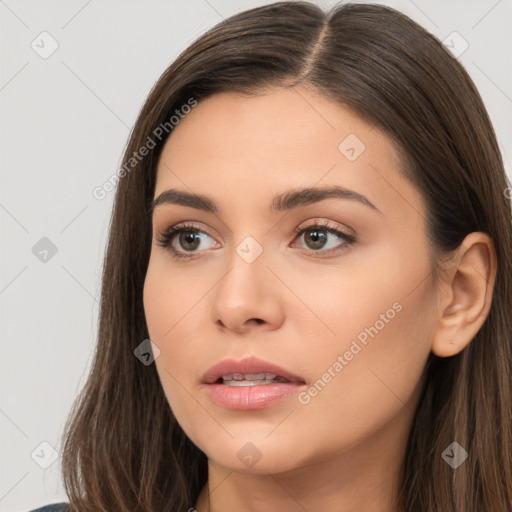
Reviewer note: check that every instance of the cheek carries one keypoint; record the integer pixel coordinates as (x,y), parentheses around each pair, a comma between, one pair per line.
(359,388)
(170,300)
(372,294)
(173,321)
(384,320)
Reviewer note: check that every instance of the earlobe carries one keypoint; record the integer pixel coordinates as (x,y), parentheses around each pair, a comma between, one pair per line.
(466,295)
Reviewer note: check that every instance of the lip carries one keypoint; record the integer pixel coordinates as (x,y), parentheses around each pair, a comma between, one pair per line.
(249,397)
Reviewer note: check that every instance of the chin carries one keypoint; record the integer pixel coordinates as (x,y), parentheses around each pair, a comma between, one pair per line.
(252,453)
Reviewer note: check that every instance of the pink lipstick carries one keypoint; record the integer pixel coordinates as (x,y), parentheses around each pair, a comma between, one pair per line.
(250,383)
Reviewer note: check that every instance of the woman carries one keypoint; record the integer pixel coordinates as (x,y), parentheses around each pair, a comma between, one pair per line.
(307,287)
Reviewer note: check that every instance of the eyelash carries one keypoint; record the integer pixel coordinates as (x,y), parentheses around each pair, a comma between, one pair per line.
(166,238)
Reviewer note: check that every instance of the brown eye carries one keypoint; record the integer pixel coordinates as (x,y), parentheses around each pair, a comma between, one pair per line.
(315,238)
(182,239)
(188,240)
(324,239)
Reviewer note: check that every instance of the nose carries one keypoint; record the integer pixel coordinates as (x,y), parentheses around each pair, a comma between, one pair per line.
(248,296)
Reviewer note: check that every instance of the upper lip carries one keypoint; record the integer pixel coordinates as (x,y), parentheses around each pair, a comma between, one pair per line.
(251,365)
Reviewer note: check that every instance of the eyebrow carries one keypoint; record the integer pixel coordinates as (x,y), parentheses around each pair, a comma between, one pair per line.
(288,200)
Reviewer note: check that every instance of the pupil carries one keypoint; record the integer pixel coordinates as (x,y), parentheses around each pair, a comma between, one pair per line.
(318,237)
(189,237)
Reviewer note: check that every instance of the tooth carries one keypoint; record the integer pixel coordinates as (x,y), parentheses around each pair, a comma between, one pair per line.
(255,376)
(249,382)
(236,379)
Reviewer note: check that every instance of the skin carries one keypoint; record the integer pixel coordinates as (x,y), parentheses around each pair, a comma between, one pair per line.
(301,310)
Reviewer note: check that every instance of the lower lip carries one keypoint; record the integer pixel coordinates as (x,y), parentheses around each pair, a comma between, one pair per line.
(251,397)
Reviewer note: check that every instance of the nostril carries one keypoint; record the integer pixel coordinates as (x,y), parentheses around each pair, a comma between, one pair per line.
(259,321)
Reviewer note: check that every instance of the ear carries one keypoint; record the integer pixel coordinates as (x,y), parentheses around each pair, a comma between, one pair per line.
(465,290)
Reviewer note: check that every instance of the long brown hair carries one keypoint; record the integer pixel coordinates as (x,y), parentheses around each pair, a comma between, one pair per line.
(123,449)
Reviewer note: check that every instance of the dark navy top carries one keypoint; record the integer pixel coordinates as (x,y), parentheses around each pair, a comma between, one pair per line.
(54,507)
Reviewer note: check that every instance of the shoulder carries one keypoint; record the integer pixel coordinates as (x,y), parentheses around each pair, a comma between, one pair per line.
(55,507)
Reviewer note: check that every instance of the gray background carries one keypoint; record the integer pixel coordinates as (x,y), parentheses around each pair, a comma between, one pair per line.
(65,122)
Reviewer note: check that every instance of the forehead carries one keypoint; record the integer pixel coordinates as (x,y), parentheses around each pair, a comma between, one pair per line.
(257,145)
(277,119)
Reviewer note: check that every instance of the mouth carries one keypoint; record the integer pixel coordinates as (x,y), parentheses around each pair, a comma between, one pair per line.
(250,379)
(250,383)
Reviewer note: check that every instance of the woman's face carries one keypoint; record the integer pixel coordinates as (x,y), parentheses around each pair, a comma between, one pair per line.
(350,315)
